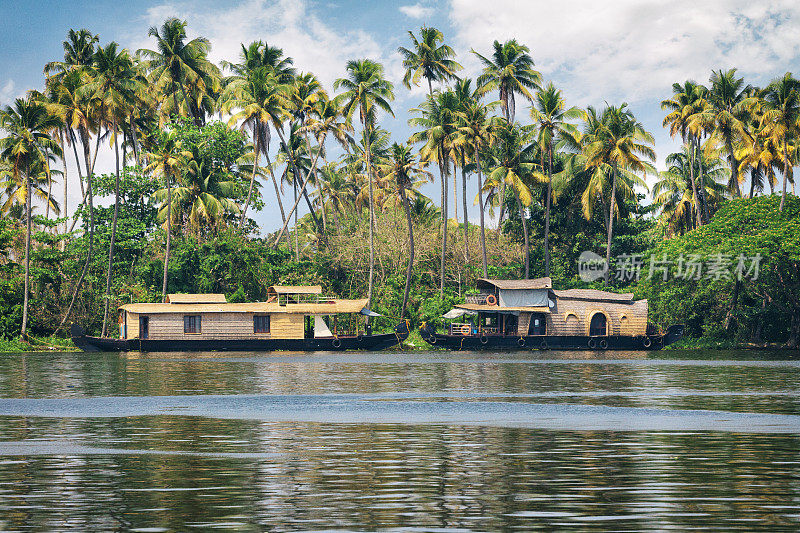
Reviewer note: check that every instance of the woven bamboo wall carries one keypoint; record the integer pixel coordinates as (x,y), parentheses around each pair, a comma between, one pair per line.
(218,326)
(572,317)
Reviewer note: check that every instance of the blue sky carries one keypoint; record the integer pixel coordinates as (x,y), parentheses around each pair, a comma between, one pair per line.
(615,51)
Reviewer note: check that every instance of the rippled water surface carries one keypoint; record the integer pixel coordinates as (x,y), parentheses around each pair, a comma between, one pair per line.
(400,442)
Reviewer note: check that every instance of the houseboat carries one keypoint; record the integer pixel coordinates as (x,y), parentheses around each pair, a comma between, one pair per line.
(530,314)
(296,318)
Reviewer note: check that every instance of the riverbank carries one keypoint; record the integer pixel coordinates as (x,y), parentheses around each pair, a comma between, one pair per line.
(38,344)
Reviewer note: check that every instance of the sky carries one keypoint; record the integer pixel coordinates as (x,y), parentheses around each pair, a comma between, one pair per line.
(612,51)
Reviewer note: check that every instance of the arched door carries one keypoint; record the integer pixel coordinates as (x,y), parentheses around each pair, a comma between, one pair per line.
(598,325)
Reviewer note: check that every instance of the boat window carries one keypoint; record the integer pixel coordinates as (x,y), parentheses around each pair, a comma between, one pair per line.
(191,324)
(598,324)
(261,324)
(144,327)
(537,325)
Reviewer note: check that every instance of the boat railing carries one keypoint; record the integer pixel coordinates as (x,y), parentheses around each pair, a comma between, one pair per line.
(462,328)
(479,299)
(284,299)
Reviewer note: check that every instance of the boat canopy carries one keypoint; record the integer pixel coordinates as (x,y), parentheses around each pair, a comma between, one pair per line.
(456,313)
(196,299)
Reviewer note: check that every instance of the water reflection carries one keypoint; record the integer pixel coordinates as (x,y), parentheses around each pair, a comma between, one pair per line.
(168,471)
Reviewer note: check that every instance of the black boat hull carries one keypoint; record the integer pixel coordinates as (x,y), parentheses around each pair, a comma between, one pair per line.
(325,344)
(551,342)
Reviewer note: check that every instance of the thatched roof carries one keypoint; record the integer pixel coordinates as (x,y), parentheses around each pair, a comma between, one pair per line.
(516,284)
(295,289)
(593,294)
(498,309)
(326,308)
(196,298)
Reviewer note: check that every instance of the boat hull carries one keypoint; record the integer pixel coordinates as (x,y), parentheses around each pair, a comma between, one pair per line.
(326,344)
(551,342)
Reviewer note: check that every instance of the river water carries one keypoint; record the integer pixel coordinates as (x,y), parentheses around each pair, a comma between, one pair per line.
(400,442)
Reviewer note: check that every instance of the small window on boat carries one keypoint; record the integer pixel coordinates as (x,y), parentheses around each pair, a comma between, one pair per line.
(191,324)
(260,323)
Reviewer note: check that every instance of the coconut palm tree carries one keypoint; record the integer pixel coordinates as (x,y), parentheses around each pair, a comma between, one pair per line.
(78,52)
(513,164)
(177,64)
(27,143)
(365,89)
(113,87)
(429,58)
(510,71)
(257,99)
(550,116)
(781,119)
(614,142)
(476,132)
(438,122)
(402,167)
(168,160)
(725,116)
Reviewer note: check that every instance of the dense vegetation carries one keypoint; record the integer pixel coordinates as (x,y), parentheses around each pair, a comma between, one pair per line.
(559,181)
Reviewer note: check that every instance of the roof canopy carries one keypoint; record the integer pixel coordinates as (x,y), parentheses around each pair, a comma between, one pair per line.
(196,299)
(295,289)
(498,309)
(593,294)
(515,284)
(325,308)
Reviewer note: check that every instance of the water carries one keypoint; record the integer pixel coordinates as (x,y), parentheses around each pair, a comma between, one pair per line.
(400,442)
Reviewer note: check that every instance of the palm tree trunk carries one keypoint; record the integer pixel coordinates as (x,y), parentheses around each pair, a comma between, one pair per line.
(296,243)
(480,201)
(275,184)
(113,232)
(189,105)
(77,160)
(134,140)
(169,235)
(526,247)
(466,217)
(29,227)
(701,186)
(611,223)
(444,225)
(368,154)
(320,228)
(407,289)
(547,210)
(734,181)
(290,154)
(66,211)
(257,144)
(694,190)
(785,174)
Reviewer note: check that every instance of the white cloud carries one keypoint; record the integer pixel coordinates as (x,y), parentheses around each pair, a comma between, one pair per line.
(632,49)
(417,11)
(8,92)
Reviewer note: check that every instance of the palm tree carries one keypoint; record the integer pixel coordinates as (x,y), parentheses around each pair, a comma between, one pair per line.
(366,88)
(26,144)
(510,71)
(261,100)
(113,87)
(429,59)
(403,168)
(725,116)
(168,160)
(781,119)
(514,166)
(178,63)
(550,116)
(78,52)
(687,101)
(476,132)
(615,142)
(438,121)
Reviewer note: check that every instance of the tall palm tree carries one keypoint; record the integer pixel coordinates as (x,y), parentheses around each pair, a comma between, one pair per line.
(781,119)
(403,168)
(615,142)
(438,122)
(168,160)
(113,87)
(725,117)
(429,58)
(510,71)
(26,144)
(513,162)
(177,63)
(687,101)
(78,52)
(366,89)
(259,100)
(550,116)
(476,132)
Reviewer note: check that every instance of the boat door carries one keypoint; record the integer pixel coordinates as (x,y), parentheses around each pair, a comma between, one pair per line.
(537,324)
(144,327)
